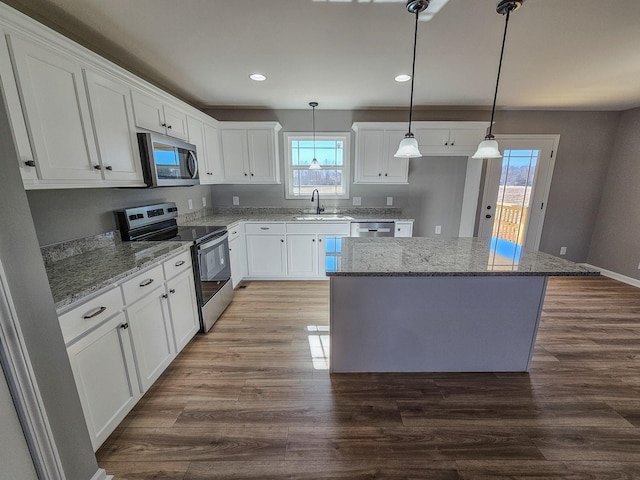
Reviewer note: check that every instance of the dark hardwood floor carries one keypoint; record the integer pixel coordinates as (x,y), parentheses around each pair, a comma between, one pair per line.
(246,402)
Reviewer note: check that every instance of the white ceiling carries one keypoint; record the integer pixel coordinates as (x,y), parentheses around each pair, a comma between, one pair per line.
(560,54)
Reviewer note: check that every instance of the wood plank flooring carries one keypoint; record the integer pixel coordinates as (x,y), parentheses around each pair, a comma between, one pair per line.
(245,401)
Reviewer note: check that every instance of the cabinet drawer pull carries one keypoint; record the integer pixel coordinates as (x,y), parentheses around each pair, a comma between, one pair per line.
(180,263)
(265,228)
(164,295)
(124,326)
(30,163)
(97,167)
(172,290)
(148,281)
(109,167)
(95,313)
(168,126)
(163,124)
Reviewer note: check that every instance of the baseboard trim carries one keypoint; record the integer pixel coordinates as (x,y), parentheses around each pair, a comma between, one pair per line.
(616,276)
(101,475)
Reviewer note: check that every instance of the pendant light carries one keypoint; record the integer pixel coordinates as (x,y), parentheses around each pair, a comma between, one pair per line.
(409,145)
(488,148)
(314,163)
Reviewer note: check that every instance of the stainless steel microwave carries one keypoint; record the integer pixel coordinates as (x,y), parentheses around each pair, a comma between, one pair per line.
(167,162)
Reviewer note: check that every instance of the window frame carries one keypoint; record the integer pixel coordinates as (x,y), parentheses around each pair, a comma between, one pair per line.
(289,137)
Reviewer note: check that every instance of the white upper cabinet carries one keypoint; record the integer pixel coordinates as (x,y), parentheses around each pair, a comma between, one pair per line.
(112,115)
(205,136)
(14,109)
(56,112)
(375,162)
(462,138)
(250,152)
(152,113)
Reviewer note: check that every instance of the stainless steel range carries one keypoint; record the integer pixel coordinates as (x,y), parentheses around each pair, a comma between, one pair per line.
(209,253)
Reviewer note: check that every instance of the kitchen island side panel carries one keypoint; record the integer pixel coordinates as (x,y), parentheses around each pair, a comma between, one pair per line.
(434,324)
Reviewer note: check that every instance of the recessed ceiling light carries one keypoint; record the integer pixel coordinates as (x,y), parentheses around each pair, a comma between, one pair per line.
(403,78)
(258,77)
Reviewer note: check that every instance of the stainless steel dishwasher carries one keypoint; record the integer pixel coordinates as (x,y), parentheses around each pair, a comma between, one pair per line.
(372,229)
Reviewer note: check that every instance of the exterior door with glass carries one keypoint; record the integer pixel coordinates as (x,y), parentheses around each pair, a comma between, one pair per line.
(516,190)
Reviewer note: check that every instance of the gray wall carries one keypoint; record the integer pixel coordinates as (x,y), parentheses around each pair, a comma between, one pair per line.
(29,287)
(14,453)
(586,142)
(616,237)
(61,215)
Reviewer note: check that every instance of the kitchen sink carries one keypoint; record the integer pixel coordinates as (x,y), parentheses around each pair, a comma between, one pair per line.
(323,217)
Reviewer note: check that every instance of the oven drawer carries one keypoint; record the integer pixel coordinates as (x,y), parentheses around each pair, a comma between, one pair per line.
(264,228)
(142,284)
(89,315)
(177,264)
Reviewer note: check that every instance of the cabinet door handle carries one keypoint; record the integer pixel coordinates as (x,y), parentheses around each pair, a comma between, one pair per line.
(97,167)
(180,263)
(379,174)
(452,144)
(124,326)
(163,124)
(148,281)
(209,173)
(30,163)
(313,240)
(109,167)
(245,174)
(282,240)
(386,175)
(172,290)
(320,240)
(164,295)
(446,144)
(252,174)
(95,313)
(169,126)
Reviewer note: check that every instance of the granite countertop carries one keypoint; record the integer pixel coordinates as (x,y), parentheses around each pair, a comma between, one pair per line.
(231,216)
(80,272)
(417,256)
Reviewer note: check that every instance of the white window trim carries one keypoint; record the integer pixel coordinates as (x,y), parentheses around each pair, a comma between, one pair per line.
(290,136)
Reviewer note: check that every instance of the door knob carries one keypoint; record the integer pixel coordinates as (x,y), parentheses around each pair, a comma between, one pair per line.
(487,216)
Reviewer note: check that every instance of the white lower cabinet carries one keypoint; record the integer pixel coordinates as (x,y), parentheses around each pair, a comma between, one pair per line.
(237,255)
(183,308)
(404,229)
(152,337)
(302,255)
(104,370)
(266,256)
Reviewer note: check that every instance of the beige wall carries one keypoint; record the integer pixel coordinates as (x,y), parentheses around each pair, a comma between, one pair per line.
(616,237)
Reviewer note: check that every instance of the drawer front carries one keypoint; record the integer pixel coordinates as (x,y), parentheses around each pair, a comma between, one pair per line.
(142,284)
(264,228)
(89,315)
(322,229)
(235,231)
(177,264)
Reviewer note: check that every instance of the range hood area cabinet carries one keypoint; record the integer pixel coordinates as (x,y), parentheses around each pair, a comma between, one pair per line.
(377,142)
(74,114)
(204,133)
(250,152)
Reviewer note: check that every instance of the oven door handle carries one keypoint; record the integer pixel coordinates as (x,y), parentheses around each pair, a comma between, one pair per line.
(213,243)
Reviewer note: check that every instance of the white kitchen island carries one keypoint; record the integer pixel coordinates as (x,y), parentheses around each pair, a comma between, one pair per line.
(438,305)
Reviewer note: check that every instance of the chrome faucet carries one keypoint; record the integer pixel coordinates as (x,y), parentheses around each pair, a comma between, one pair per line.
(319,209)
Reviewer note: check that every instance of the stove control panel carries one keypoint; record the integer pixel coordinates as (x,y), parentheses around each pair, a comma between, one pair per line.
(140,220)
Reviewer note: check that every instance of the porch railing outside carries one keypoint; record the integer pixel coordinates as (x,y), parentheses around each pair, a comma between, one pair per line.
(510,221)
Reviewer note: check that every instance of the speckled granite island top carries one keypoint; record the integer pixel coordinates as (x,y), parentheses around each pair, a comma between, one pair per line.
(419,256)
(76,271)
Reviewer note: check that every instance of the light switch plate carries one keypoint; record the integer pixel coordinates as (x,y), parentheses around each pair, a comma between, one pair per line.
(563,250)
(204,201)
(438,229)
(190,204)
(357,200)
(389,201)
(236,200)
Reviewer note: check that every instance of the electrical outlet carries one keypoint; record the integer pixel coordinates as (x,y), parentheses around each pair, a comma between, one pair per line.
(389,201)
(204,201)
(357,200)
(639,266)
(438,229)
(236,200)
(190,204)
(563,250)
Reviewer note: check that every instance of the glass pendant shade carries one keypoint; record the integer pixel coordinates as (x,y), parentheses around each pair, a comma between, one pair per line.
(315,165)
(488,148)
(408,148)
